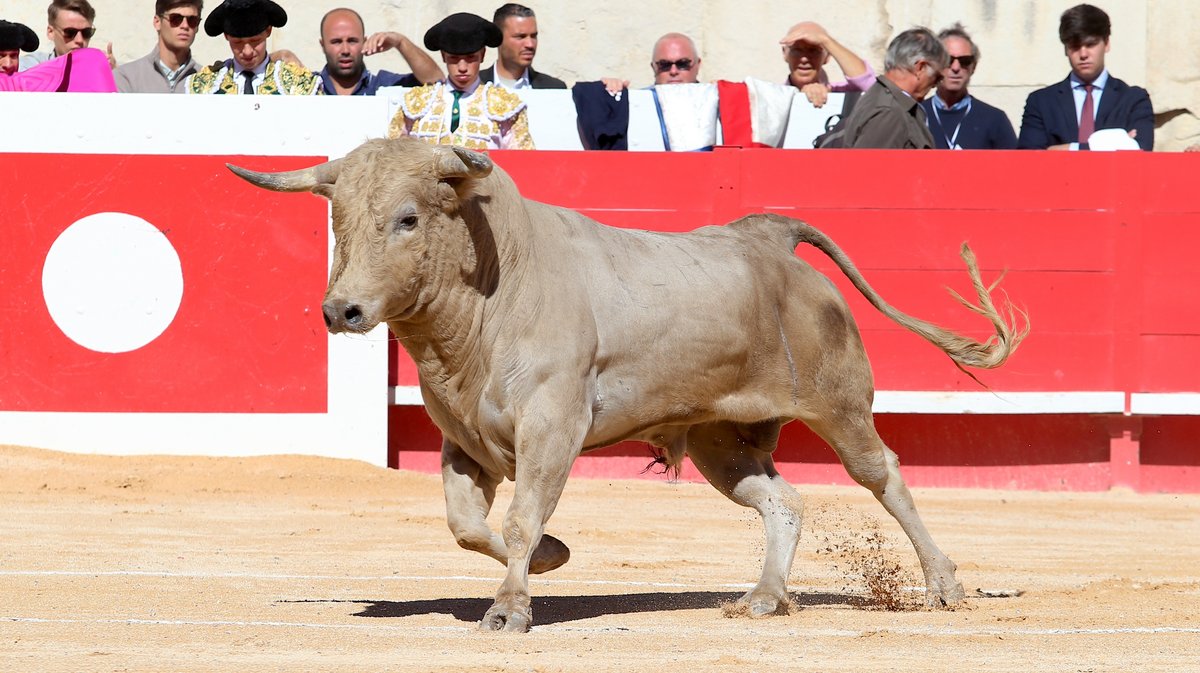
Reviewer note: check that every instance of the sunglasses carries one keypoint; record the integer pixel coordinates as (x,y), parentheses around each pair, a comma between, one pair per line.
(70,33)
(174,20)
(664,65)
(966,61)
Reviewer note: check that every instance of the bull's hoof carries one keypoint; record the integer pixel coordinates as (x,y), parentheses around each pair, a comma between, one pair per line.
(550,554)
(506,618)
(763,604)
(943,591)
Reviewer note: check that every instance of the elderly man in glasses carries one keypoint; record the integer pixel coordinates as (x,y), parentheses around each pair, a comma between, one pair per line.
(807,47)
(889,115)
(69,27)
(958,120)
(674,60)
(170,61)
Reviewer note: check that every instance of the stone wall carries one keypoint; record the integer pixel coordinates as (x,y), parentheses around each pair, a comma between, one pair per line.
(1153,44)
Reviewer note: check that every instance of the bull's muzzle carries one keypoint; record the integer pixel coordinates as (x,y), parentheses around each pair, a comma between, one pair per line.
(343,316)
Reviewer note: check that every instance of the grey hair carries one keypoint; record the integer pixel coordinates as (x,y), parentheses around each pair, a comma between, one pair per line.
(915,45)
(957,30)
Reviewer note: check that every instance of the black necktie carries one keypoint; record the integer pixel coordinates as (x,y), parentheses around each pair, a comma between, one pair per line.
(248,87)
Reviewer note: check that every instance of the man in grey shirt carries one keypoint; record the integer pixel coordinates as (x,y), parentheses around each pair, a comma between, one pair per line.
(170,62)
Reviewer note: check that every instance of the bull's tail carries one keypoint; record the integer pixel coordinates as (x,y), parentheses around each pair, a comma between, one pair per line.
(1011,324)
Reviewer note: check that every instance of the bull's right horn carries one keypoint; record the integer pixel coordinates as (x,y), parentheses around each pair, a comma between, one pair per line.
(303,180)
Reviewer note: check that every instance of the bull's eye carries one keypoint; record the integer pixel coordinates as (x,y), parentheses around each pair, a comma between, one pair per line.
(407,223)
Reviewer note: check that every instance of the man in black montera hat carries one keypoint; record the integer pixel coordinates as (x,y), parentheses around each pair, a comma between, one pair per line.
(14,39)
(461,109)
(247,25)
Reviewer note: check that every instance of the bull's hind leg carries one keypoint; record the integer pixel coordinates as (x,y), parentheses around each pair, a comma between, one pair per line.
(736,459)
(470,493)
(871,463)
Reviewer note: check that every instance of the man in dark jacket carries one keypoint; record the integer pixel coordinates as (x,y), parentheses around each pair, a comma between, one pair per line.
(957,119)
(1063,116)
(514,61)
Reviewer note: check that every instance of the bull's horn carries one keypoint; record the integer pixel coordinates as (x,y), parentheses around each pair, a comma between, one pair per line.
(303,180)
(460,162)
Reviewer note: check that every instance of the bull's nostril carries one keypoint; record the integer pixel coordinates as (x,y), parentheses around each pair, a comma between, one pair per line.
(353,314)
(327,313)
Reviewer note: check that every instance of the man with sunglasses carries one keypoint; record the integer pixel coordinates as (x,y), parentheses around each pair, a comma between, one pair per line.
(247,25)
(674,60)
(69,27)
(170,61)
(958,120)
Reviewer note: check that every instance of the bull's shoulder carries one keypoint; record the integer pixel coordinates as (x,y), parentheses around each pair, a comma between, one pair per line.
(502,104)
(418,101)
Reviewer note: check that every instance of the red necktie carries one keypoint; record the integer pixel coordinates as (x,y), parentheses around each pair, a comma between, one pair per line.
(1087,119)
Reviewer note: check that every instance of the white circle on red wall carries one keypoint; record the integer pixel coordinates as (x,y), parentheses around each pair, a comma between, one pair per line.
(112,282)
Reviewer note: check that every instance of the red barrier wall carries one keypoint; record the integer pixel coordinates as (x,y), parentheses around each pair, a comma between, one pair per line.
(1097,248)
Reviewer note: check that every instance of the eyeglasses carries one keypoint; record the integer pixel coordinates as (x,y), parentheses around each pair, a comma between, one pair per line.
(663,65)
(175,19)
(966,61)
(70,33)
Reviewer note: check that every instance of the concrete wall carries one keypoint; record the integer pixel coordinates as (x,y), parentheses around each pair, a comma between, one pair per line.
(1153,43)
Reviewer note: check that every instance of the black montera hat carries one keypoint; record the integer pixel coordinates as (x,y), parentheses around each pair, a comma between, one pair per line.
(244,18)
(463,33)
(17,36)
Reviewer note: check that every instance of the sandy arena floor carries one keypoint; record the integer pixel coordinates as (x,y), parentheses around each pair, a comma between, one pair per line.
(308,564)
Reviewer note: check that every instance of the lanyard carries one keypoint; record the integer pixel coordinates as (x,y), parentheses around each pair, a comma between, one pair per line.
(951,141)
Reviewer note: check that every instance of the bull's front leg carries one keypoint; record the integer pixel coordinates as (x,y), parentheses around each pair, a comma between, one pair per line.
(546,449)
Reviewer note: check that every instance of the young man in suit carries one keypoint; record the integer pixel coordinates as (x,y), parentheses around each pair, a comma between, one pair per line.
(1063,116)
(514,57)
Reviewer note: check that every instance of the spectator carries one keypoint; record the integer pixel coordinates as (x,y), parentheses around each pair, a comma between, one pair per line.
(14,39)
(957,119)
(514,59)
(462,110)
(889,115)
(344,41)
(807,48)
(69,26)
(170,61)
(246,25)
(1063,116)
(675,60)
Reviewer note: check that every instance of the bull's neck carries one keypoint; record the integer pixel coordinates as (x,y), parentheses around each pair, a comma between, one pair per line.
(452,338)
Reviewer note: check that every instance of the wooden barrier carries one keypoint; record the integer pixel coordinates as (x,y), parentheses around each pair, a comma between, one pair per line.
(1096,248)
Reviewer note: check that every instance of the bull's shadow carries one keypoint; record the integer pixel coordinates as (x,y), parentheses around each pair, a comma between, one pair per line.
(557,609)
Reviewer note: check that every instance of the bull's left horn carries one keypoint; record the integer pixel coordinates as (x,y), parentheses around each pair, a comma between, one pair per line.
(460,162)
(303,180)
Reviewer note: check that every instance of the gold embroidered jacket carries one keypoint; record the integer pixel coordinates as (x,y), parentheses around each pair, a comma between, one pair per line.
(490,117)
(282,79)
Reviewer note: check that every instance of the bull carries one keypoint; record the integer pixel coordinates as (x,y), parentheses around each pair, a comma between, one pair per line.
(539,334)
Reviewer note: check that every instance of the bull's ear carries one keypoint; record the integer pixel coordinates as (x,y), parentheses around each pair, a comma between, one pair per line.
(460,162)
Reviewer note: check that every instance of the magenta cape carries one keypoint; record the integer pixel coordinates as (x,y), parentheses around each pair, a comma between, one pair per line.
(83,70)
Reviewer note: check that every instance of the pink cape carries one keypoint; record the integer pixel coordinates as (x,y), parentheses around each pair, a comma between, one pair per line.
(83,70)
